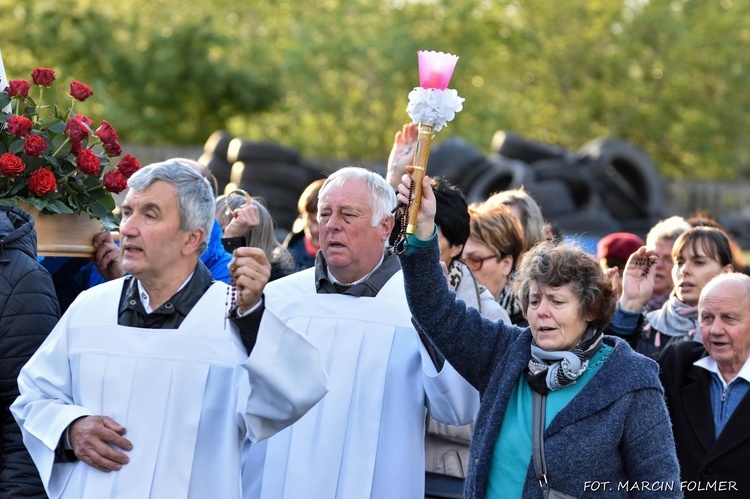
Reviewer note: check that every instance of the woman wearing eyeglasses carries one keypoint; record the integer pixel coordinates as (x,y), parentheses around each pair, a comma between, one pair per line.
(492,251)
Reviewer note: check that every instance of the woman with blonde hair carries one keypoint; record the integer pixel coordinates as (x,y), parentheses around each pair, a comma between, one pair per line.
(492,252)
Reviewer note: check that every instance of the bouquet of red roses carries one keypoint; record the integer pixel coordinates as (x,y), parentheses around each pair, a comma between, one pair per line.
(52,158)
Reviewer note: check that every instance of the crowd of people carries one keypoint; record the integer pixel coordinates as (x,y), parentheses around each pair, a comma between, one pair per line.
(482,356)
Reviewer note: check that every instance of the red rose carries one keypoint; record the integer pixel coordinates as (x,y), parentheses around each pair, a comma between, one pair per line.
(76,129)
(42,181)
(18,88)
(115,181)
(43,76)
(128,165)
(76,147)
(80,91)
(85,119)
(34,145)
(88,162)
(11,165)
(113,148)
(106,133)
(20,126)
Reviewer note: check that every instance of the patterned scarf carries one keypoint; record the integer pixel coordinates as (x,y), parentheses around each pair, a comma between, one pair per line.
(675,318)
(550,370)
(455,274)
(508,301)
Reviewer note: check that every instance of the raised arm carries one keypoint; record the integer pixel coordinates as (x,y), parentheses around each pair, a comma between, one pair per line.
(469,342)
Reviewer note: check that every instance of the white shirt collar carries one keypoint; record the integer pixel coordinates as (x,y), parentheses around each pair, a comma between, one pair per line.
(363,279)
(709,364)
(143,295)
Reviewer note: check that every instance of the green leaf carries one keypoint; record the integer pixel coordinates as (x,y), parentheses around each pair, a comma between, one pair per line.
(57,141)
(60,207)
(101,206)
(18,185)
(56,126)
(4,98)
(34,163)
(16,146)
(110,222)
(38,203)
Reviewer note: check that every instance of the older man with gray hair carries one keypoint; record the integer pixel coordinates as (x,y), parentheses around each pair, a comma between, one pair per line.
(707,391)
(144,388)
(365,439)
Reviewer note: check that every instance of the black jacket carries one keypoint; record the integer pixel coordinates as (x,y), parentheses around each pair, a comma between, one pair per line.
(28,312)
(705,461)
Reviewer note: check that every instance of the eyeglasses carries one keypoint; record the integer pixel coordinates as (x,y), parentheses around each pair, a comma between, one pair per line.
(475,263)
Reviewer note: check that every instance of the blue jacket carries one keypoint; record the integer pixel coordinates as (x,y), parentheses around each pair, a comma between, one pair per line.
(615,430)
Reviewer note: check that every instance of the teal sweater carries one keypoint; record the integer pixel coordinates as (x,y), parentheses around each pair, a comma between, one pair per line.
(615,430)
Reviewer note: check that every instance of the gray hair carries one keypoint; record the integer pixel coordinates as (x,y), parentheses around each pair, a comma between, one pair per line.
(381,193)
(531,217)
(195,199)
(669,228)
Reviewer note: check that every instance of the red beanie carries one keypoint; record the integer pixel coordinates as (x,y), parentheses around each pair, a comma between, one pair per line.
(618,246)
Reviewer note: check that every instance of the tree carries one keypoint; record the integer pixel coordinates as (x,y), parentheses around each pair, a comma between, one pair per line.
(331,77)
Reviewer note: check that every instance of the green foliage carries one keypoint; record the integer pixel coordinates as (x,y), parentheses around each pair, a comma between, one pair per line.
(331,77)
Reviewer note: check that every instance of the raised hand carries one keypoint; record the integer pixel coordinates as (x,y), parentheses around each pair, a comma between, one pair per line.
(638,280)
(426,216)
(245,219)
(402,153)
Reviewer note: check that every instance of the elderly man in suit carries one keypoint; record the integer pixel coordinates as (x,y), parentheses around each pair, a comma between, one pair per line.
(706,386)
(706,383)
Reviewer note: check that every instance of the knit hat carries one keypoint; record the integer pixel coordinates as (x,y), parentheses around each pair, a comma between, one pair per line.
(618,246)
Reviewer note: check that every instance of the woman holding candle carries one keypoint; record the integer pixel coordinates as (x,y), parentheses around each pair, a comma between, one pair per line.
(605,416)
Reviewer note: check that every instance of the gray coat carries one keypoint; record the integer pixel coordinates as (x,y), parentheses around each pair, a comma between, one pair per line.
(615,430)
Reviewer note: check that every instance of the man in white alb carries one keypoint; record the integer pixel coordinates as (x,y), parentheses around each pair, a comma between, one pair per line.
(144,389)
(365,439)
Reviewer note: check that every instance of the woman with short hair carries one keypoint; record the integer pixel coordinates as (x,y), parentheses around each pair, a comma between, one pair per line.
(605,415)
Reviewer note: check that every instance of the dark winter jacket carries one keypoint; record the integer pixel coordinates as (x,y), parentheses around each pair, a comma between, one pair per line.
(616,430)
(713,467)
(28,312)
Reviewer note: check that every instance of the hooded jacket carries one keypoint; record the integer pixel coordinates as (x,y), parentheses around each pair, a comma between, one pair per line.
(28,312)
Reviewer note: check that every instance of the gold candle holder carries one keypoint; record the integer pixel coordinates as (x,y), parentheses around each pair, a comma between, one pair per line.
(422,153)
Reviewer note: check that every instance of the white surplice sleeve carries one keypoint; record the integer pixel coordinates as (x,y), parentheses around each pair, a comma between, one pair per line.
(286,379)
(451,399)
(45,406)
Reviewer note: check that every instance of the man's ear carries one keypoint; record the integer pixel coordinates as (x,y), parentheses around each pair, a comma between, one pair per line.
(387,224)
(193,241)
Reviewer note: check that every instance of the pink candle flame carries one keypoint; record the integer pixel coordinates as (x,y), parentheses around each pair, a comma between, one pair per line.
(435,69)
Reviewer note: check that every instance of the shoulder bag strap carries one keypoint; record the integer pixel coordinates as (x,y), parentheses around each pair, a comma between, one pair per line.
(537,438)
